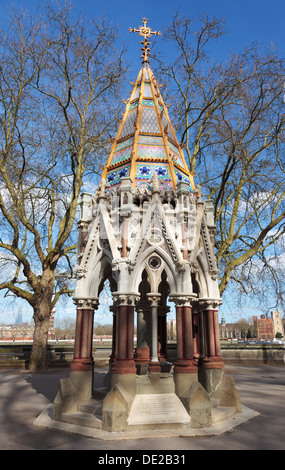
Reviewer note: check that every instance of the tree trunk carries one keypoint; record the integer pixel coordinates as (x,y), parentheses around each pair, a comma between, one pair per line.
(38,359)
(42,311)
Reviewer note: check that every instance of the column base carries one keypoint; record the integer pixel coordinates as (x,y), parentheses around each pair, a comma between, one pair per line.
(211,378)
(154,367)
(84,364)
(185,366)
(183,382)
(123,367)
(142,355)
(118,402)
(213,362)
(127,381)
(72,390)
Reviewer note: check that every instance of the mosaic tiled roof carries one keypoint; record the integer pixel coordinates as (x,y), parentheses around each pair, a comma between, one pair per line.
(146,141)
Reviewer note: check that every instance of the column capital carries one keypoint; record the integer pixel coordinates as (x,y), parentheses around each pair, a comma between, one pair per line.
(154,298)
(83,225)
(87,304)
(209,304)
(126,298)
(181,300)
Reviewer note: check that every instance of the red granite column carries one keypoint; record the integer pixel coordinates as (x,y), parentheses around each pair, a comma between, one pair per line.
(162,333)
(83,358)
(179,332)
(112,356)
(185,344)
(213,358)
(195,336)
(124,353)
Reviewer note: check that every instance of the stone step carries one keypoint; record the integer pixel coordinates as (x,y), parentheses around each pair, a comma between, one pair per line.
(158,427)
(220,413)
(81,419)
(93,407)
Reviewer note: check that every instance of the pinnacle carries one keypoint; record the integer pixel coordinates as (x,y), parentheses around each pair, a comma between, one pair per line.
(146,143)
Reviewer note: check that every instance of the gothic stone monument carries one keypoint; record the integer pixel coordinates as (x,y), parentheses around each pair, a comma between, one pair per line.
(148,231)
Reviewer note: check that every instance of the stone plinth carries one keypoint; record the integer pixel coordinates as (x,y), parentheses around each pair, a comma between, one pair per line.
(157,410)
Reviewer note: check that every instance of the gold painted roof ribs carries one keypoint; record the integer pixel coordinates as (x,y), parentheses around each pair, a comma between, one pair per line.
(146,143)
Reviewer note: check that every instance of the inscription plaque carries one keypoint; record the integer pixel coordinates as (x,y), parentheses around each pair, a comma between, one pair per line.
(157,408)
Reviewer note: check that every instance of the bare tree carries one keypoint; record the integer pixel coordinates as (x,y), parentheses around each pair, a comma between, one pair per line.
(60,78)
(230,116)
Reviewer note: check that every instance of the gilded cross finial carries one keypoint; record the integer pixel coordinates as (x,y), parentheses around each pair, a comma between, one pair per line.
(145,32)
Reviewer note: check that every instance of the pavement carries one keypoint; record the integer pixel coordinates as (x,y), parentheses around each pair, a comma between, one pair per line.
(24,396)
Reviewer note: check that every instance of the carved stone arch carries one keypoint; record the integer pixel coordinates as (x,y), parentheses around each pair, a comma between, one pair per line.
(207,279)
(100,272)
(196,284)
(202,277)
(150,275)
(112,284)
(142,263)
(164,288)
(144,286)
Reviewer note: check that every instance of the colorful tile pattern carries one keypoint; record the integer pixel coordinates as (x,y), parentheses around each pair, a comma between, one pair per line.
(114,176)
(137,92)
(147,91)
(150,140)
(129,124)
(149,121)
(147,151)
(122,155)
(134,104)
(124,143)
(182,177)
(148,103)
(175,154)
(165,124)
(146,171)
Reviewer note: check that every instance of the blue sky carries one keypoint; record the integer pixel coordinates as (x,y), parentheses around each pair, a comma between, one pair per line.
(246,21)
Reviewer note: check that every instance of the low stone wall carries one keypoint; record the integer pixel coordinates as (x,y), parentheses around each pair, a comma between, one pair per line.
(253,354)
(17,356)
(245,353)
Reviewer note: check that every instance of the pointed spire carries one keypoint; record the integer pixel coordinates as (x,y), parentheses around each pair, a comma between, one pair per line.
(146,142)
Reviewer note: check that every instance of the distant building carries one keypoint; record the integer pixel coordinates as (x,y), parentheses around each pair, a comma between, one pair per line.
(268,327)
(171,330)
(277,322)
(24,331)
(11,333)
(229,330)
(264,327)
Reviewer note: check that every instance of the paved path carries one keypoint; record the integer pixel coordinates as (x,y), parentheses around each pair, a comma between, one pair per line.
(23,396)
